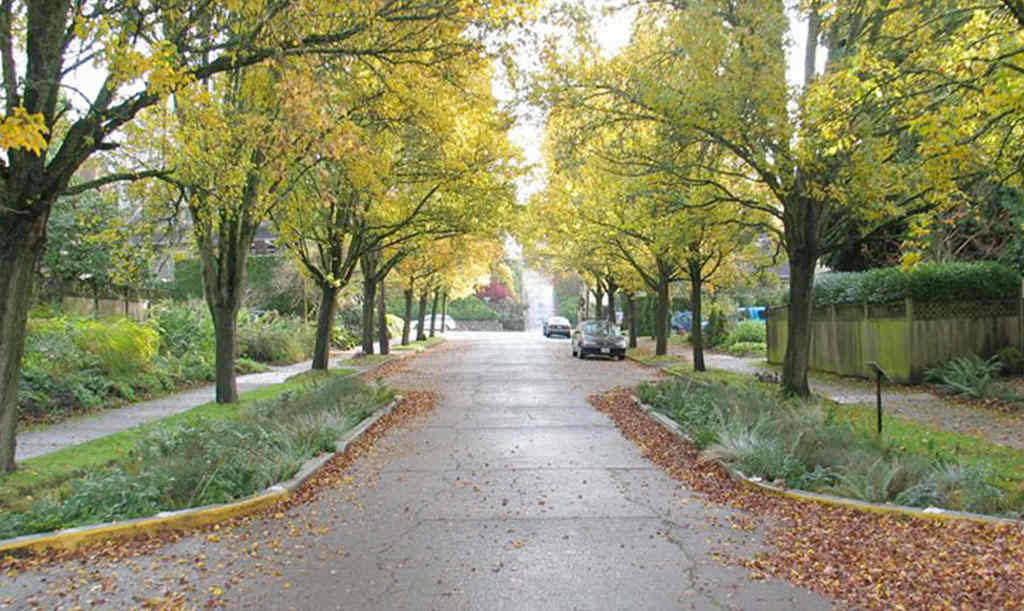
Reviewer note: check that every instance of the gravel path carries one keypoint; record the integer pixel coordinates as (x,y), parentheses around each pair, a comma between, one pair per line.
(911,402)
(513,493)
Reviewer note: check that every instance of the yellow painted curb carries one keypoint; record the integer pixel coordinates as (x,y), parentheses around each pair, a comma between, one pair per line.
(828,499)
(73,538)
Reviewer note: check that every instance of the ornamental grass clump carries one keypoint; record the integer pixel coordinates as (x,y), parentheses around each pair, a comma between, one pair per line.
(201,461)
(804,444)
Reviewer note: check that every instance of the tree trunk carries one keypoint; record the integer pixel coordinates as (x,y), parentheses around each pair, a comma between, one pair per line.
(696,332)
(224,274)
(433,312)
(225,328)
(631,312)
(421,333)
(369,292)
(798,340)
(19,250)
(612,289)
(444,310)
(368,266)
(661,319)
(325,327)
(408,317)
(599,299)
(385,334)
(651,307)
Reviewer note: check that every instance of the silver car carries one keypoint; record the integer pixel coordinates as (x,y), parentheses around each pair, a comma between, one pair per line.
(557,325)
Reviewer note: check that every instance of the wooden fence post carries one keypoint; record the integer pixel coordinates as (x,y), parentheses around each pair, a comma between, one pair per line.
(909,317)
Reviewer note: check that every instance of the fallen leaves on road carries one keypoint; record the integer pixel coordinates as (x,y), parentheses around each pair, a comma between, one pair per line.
(879,561)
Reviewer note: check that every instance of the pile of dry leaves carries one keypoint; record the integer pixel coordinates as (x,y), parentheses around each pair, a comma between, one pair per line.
(872,560)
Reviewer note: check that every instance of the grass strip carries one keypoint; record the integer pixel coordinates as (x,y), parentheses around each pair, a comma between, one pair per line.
(822,446)
(53,479)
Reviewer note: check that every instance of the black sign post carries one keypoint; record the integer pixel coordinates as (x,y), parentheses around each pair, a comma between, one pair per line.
(879,374)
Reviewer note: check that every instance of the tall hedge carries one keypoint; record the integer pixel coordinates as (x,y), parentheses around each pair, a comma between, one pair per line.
(929,282)
(260,273)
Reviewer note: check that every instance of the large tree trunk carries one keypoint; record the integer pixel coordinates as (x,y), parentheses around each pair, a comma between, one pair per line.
(225,329)
(661,319)
(421,333)
(444,310)
(631,312)
(369,292)
(599,299)
(325,327)
(408,317)
(433,312)
(802,248)
(224,272)
(384,333)
(798,340)
(612,289)
(19,250)
(696,332)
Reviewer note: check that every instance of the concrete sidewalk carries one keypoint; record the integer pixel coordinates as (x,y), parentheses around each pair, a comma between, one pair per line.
(86,428)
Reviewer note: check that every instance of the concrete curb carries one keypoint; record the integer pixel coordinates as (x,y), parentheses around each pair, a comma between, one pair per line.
(932,513)
(72,538)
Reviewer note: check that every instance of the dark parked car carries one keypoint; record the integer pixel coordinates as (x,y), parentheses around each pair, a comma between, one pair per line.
(598,337)
(556,325)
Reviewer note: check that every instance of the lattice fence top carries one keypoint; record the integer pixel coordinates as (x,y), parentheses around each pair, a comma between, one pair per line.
(888,310)
(921,311)
(966,309)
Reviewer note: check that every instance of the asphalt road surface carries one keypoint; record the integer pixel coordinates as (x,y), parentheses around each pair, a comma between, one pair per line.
(513,493)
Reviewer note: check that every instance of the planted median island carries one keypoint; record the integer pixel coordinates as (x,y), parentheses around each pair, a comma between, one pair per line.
(209,455)
(818,446)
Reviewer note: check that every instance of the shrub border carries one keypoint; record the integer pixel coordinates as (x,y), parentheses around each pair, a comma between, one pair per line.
(73,538)
(827,499)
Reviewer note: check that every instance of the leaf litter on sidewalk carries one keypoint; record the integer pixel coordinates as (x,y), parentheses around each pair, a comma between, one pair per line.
(872,560)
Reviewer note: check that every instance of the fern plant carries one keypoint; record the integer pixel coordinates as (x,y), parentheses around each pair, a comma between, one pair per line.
(968,375)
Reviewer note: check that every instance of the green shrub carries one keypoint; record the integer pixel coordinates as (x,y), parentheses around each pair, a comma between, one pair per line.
(968,375)
(746,331)
(929,282)
(980,281)
(1012,360)
(122,346)
(717,329)
(185,327)
(471,308)
(343,339)
(269,338)
(395,324)
(748,348)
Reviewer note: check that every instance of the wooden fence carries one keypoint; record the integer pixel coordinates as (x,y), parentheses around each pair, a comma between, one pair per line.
(84,306)
(905,338)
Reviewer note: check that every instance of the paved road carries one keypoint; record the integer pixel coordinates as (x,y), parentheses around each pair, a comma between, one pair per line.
(513,494)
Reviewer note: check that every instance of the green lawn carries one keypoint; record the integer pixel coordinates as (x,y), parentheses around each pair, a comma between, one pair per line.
(421,345)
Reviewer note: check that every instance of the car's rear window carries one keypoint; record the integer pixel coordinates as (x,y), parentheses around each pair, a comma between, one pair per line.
(600,327)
